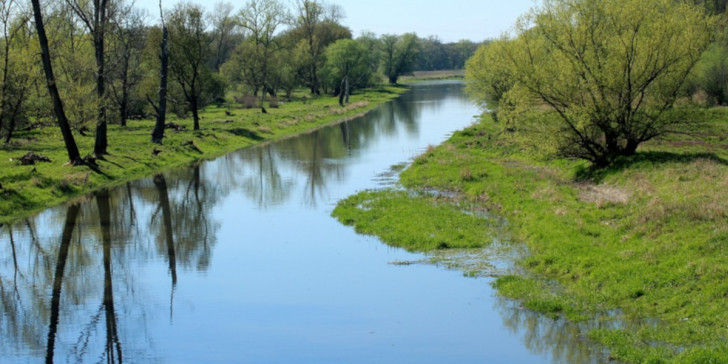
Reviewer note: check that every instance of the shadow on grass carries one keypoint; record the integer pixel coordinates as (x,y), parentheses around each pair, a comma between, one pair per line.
(643,159)
(246,133)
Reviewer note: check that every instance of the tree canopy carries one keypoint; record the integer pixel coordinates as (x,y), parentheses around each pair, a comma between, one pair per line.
(595,78)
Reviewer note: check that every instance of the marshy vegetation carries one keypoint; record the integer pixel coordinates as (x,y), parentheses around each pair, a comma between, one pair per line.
(632,239)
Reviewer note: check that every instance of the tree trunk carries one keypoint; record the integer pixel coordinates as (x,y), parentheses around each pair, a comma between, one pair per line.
(101,144)
(195,113)
(161,183)
(73,155)
(158,133)
(346,86)
(113,345)
(71,215)
(124,104)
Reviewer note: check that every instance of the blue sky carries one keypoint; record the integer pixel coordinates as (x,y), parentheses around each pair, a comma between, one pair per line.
(450,20)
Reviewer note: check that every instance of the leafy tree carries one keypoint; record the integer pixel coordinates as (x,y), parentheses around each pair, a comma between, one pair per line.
(261,19)
(189,55)
(163,57)
(15,69)
(601,77)
(128,37)
(399,54)
(348,64)
(488,79)
(223,34)
(94,15)
(316,26)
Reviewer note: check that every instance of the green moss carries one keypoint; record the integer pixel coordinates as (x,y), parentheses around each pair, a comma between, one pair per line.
(26,189)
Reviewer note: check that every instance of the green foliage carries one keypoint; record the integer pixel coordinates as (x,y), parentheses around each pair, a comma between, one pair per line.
(189,56)
(25,189)
(641,245)
(399,54)
(609,71)
(348,57)
(435,55)
(416,224)
(487,79)
(711,75)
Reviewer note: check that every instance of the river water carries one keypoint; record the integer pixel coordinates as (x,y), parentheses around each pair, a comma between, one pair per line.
(238,260)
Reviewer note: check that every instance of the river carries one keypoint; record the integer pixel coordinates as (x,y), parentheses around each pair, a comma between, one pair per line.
(238,260)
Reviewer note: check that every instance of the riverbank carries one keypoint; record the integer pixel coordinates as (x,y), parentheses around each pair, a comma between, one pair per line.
(425,76)
(26,189)
(638,251)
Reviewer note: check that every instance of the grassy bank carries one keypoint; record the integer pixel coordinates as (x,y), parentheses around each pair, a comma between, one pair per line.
(424,76)
(29,188)
(641,247)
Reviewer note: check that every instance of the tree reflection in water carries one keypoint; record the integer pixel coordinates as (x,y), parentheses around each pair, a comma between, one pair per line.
(68,228)
(52,267)
(563,341)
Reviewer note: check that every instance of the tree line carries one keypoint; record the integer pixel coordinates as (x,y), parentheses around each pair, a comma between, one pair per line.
(84,64)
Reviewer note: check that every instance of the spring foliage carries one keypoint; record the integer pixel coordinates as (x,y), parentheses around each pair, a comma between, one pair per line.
(593,79)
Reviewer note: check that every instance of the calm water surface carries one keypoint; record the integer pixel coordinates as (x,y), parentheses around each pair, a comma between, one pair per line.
(238,260)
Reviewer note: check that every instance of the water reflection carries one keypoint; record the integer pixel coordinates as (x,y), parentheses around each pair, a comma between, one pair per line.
(89,282)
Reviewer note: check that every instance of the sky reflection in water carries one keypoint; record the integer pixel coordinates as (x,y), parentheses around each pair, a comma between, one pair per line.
(238,260)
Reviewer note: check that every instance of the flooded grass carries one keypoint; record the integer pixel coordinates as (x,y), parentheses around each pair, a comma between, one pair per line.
(647,238)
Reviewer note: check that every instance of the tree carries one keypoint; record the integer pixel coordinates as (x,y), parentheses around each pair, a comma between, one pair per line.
(348,62)
(161,108)
(127,44)
(223,33)
(14,85)
(488,79)
(601,77)
(94,16)
(399,54)
(189,54)
(261,19)
(73,155)
(317,26)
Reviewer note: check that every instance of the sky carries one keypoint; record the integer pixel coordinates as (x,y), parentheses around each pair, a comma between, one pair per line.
(449,20)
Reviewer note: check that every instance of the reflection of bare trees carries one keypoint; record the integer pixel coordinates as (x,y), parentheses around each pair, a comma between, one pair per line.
(112,350)
(264,184)
(68,277)
(564,341)
(161,184)
(68,227)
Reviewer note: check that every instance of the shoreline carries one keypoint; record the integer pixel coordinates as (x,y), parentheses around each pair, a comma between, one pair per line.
(640,242)
(29,189)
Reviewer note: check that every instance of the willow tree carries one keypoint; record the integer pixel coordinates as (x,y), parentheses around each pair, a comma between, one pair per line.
(600,77)
(399,55)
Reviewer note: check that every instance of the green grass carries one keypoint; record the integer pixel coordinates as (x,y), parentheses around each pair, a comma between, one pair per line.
(647,238)
(416,224)
(27,189)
